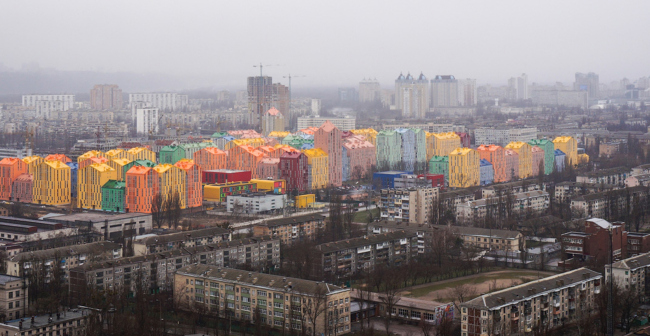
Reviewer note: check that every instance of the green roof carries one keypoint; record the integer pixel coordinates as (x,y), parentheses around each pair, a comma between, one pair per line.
(219,134)
(437,158)
(171,148)
(112,184)
(144,163)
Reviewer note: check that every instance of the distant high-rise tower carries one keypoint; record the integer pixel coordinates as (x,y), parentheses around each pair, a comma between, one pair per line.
(444,91)
(519,87)
(260,94)
(369,90)
(106,97)
(587,82)
(467,92)
(281,99)
(412,95)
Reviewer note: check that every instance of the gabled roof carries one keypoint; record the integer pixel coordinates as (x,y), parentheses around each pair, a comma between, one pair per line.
(274,112)
(328,126)
(9,161)
(641,260)
(139,170)
(185,164)
(112,184)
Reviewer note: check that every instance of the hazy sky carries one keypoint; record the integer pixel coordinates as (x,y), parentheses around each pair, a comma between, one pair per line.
(332,42)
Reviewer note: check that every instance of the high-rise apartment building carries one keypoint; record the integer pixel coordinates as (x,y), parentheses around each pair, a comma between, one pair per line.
(496,156)
(211,158)
(141,187)
(90,180)
(106,97)
(464,168)
(272,121)
(388,157)
(412,205)
(412,96)
(369,90)
(318,168)
(587,82)
(294,168)
(67,100)
(549,153)
(519,87)
(193,186)
(281,96)
(260,94)
(467,92)
(444,91)
(525,158)
(569,146)
(166,101)
(52,183)
(347,95)
(10,169)
(147,120)
(441,144)
(328,138)
(512,165)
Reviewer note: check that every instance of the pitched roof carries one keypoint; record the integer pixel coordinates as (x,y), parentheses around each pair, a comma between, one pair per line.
(363,241)
(641,260)
(292,220)
(274,112)
(66,251)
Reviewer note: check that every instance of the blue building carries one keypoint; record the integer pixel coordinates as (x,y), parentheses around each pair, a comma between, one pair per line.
(74,170)
(560,157)
(387,179)
(487,172)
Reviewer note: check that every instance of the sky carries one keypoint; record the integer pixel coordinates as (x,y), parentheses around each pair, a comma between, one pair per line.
(331,43)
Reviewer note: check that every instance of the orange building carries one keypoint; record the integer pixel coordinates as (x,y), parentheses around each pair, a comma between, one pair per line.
(10,169)
(245,157)
(285,149)
(211,158)
(496,156)
(193,186)
(268,168)
(92,160)
(141,186)
(269,151)
(538,158)
(512,165)
(171,180)
(116,153)
(58,157)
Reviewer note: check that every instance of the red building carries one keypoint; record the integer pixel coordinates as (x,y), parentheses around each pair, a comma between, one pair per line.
(21,189)
(437,180)
(464,139)
(219,176)
(593,243)
(294,168)
(637,243)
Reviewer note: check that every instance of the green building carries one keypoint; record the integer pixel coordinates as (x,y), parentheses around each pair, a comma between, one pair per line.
(549,153)
(171,154)
(193,147)
(113,196)
(389,150)
(439,165)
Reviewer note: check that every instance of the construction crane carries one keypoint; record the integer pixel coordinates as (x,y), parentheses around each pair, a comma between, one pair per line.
(151,126)
(290,116)
(29,140)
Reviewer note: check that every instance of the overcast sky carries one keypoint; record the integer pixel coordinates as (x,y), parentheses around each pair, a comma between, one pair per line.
(333,43)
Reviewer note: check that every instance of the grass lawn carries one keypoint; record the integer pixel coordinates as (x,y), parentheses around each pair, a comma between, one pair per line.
(421,291)
(362,216)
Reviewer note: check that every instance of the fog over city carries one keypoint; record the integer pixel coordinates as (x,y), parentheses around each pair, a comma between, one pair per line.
(333,43)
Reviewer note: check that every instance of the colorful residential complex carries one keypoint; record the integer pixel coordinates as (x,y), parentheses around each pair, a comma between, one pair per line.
(413,148)
(569,146)
(245,157)
(120,165)
(389,154)
(10,169)
(140,153)
(51,183)
(369,133)
(537,157)
(193,185)
(525,158)
(439,165)
(32,163)
(487,172)
(142,184)
(172,182)
(294,168)
(512,164)
(549,153)
(268,168)
(495,155)
(211,158)
(220,192)
(442,144)
(328,139)
(91,160)
(464,168)
(117,153)
(114,196)
(318,168)
(21,189)
(90,181)
(171,154)
(359,156)
(58,157)
(89,154)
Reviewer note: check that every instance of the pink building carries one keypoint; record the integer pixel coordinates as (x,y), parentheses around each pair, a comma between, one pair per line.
(360,156)
(538,159)
(496,156)
(21,189)
(512,165)
(268,168)
(245,134)
(269,151)
(328,138)
(464,139)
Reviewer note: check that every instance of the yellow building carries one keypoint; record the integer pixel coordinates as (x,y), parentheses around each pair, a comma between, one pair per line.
(583,158)
(318,168)
(118,164)
(253,142)
(464,168)
(140,153)
(89,154)
(51,183)
(278,134)
(89,184)
(117,153)
(172,179)
(305,201)
(569,146)
(525,152)
(369,133)
(32,163)
(441,144)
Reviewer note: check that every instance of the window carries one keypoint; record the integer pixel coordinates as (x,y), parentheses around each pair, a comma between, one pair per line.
(277,305)
(415,314)
(261,293)
(278,314)
(277,296)
(261,302)
(231,305)
(230,288)
(230,296)
(245,299)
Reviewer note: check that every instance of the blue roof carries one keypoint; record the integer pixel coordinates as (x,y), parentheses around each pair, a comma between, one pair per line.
(559,152)
(307,146)
(485,162)
(73,165)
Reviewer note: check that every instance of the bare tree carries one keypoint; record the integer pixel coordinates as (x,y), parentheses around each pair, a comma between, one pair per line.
(389,296)
(157,210)
(462,293)
(316,306)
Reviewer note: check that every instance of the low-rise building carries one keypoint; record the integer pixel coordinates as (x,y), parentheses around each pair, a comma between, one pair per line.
(150,243)
(281,303)
(25,230)
(111,225)
(614,176)
(407,309)
(631,274)
(594,242)
(256,203)
(630,181)
(14,300)
(604,204)
(291,229)
(532,202)
(548,302)
(261,253)
(344,258)
(72,323)
(564,191)
(514,187)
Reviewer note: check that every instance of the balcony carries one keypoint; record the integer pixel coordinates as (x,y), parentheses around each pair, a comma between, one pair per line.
(514,316)
(556,302)
(597,290)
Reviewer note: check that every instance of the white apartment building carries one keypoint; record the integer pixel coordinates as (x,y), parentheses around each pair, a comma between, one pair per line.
(316,106)
(256,203)
(58,102)
(147,120)
(467,92)
(164,100)
(344,124)
(412,205)
(369,90)
(630,273)
(503,136)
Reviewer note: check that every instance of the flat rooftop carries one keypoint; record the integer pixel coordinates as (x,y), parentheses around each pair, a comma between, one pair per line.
(43,320)
(95,217)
